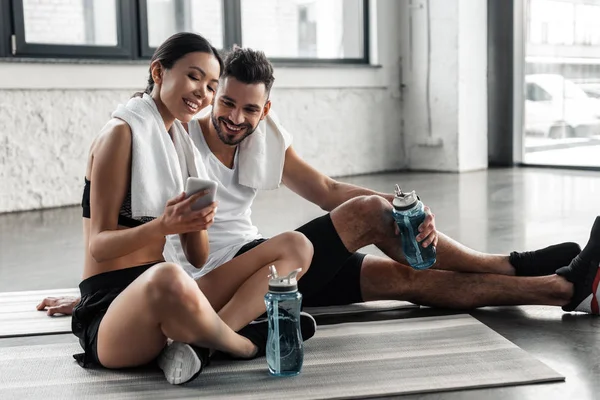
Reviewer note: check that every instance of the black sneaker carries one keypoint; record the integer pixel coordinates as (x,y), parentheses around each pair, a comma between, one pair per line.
(584,273)
(182,362)
(258,331)
(586,288)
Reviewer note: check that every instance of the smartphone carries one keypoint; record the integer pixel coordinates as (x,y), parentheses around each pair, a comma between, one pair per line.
(195,185)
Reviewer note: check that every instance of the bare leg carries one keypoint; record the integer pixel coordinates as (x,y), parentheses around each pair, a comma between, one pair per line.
(164,302)
(237,288)
(368,220)
(383,279)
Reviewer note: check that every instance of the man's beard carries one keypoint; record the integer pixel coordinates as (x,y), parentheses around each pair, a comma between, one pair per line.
(225,138)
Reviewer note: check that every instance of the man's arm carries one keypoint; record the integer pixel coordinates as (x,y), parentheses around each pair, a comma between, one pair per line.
(318,188)
(327,193)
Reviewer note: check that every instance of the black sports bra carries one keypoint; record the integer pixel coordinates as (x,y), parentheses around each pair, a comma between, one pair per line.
(125,218)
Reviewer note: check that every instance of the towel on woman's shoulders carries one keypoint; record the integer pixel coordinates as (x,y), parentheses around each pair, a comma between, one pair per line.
(159,165)
(262,154)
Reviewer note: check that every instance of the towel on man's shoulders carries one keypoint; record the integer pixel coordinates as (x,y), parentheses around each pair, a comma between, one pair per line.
(159,165)
(262,154)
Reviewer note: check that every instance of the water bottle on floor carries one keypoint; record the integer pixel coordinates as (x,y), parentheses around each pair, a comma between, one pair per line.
(409,213)
(285,349)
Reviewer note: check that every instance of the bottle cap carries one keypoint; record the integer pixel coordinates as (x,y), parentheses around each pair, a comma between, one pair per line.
(404,201)
(287,283)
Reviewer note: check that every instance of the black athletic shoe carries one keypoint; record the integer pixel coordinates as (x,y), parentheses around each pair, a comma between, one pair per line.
(584,273)
(182,362)
(544,261)
(258,331)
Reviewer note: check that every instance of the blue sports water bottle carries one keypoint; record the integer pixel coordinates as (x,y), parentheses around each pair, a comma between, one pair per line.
(409,213)
(285,348)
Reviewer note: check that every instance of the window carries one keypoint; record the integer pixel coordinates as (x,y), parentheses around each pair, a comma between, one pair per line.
(286,30)
(71,22)
(71,28)
(305,29)
(560,22)
(561,65)
(162,18)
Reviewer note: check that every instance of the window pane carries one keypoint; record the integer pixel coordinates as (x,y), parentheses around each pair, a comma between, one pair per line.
(71,22)
(304,28)
(562,104)
(166,17)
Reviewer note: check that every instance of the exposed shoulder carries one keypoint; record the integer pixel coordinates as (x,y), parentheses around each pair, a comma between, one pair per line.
(114,136)
(116,129)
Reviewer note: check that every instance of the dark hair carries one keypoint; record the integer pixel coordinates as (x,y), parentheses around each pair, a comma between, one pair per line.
(249,66)
(177,47)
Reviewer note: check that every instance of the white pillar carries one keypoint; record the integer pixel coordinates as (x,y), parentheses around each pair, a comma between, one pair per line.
(445,73)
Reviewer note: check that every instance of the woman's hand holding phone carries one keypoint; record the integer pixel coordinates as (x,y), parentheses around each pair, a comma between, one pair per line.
(181,217)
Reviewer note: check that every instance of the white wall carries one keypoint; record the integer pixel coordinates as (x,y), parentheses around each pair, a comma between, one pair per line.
(472,86)
(448,132)
(345,120)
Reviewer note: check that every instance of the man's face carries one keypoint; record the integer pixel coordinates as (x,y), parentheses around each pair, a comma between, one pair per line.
(238,109)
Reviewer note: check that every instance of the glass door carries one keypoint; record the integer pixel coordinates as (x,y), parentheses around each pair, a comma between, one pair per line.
(561,114)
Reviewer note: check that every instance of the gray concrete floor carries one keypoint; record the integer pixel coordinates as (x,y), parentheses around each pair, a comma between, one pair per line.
(497,211)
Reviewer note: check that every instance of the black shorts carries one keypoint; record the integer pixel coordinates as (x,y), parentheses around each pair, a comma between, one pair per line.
(334,274)
(97,294)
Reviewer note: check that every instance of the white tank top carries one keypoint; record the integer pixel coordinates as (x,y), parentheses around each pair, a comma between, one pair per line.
(232,227)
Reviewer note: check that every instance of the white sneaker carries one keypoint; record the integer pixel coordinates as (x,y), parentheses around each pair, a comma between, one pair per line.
(182,362)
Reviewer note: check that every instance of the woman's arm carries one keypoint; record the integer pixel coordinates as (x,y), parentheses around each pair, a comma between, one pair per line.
(195,247)
(110,177)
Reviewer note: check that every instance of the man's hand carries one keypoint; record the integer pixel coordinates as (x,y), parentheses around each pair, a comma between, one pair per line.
(58,305)
(427,233)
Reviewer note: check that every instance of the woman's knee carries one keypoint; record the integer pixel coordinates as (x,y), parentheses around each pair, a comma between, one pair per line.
(299,248)
(168,282)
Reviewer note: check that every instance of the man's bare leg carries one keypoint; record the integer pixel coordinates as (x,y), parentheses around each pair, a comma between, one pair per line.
(385,279)
(575,287)
(368,220)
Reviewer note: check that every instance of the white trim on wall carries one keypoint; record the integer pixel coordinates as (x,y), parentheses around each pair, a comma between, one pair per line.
(23,75)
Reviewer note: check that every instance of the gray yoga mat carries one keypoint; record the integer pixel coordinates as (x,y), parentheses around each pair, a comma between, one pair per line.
(18,316)
(353,360)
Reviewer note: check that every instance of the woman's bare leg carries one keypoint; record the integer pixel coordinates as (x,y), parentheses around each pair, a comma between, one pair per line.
(164,302)
(237,288)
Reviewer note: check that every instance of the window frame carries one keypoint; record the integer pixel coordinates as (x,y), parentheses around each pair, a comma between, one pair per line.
(126,11)
(5,28)
(132,36)
(231,32)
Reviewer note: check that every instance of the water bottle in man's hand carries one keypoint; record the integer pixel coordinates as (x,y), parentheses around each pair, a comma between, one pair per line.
(409,214)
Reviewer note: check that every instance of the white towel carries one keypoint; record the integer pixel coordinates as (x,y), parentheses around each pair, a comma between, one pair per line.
(159,165)
(262,154)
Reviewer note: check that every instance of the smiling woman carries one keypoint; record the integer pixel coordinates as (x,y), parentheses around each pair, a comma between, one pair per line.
(197,63)
(131,299)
